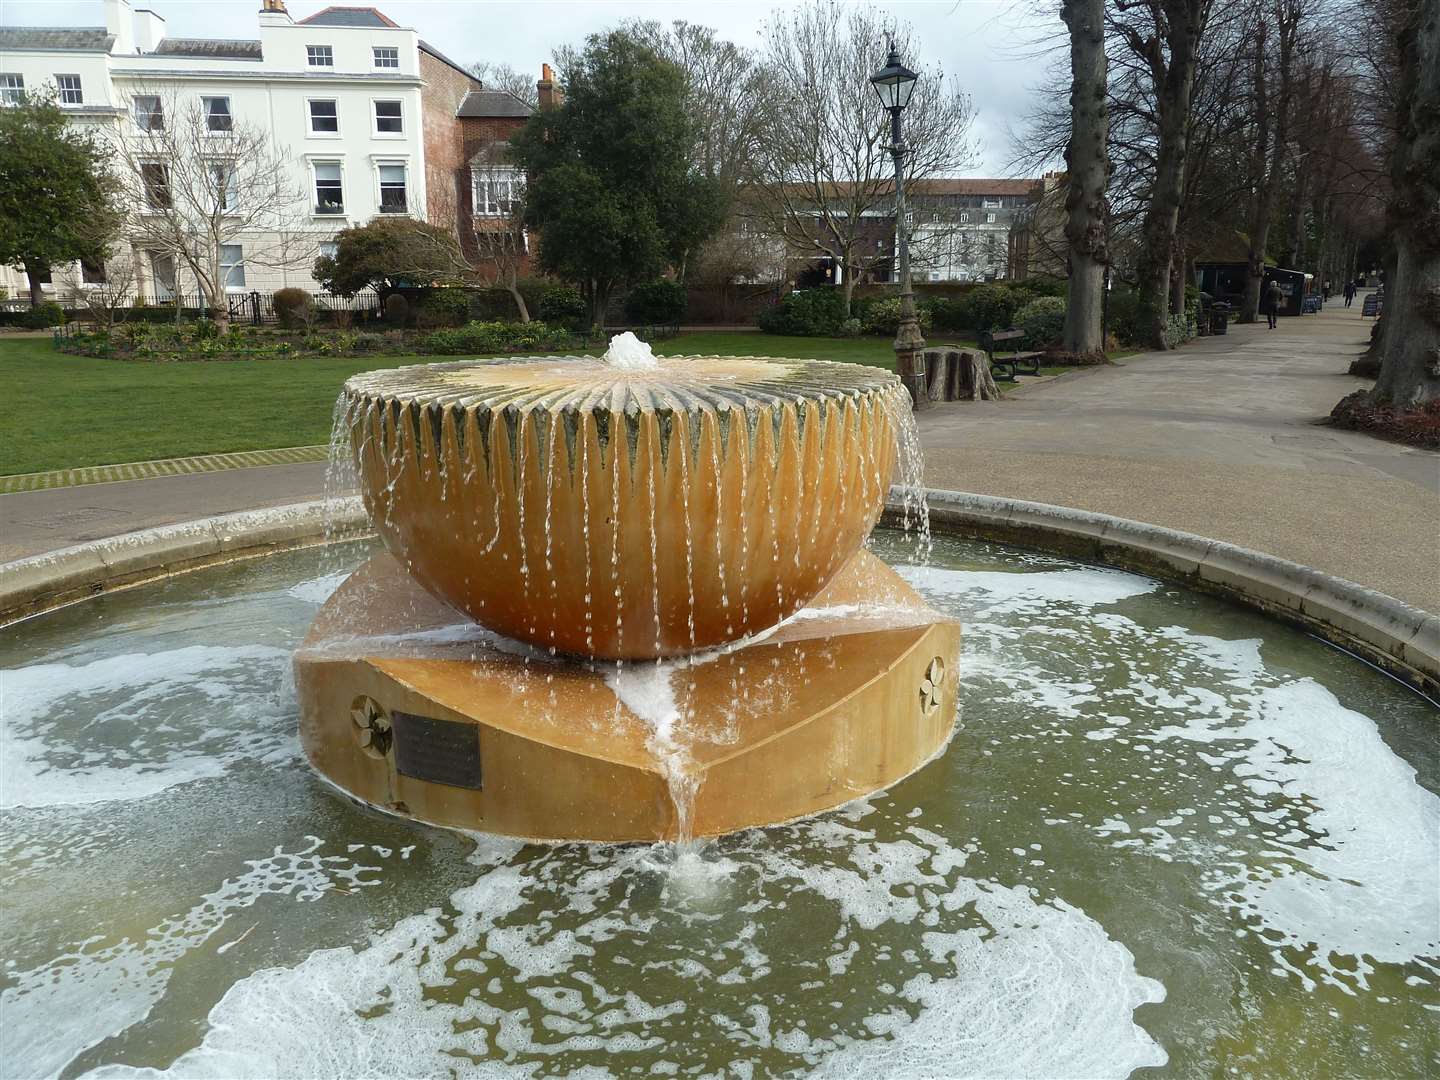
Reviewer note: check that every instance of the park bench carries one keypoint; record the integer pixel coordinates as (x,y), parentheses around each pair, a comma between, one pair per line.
(1017,363)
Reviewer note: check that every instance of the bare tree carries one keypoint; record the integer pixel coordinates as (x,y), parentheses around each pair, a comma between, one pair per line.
(1088,174)
(199,181)
(822,170)
(499,76)
(500,243)
(109,292)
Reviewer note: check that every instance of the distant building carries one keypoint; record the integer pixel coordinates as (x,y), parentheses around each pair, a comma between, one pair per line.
(377,121)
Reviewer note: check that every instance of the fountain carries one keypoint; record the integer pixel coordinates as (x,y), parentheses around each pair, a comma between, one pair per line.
(634,538)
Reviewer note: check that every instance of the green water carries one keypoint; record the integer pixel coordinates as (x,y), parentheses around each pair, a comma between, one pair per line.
(1169,838)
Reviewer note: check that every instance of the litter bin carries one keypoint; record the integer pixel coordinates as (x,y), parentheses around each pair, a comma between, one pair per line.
(1219,317)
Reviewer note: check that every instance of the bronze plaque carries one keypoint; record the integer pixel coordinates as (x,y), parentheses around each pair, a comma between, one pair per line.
(440,751)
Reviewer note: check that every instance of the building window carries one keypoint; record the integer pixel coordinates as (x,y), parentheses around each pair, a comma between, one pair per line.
(388,118)
(224,185)
(162,273)
(320,55)
(232,266)
(989,219)
(386,57)
(92,273)
(392,189)
(155,179)
(148,116)
(217,113)
(12,89)
(324,118)
(329,192)
(328,249)
(496,191)
(69,87)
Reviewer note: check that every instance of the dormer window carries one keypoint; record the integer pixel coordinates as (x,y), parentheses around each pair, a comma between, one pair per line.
(69,87)
(386,56)
(320,55)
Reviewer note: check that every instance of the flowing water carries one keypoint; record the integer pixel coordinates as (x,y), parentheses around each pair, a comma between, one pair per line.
(1170,836)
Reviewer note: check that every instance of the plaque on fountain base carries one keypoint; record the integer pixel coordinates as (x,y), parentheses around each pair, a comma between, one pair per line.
(409,706)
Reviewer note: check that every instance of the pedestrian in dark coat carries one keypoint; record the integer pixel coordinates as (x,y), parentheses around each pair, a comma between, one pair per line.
(1349,292)
(1274,297)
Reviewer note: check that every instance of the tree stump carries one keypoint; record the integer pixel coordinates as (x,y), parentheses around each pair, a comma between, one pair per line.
(937,374)
(975,381)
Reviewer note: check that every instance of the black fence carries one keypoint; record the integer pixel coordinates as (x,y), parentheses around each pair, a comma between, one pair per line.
(249,308)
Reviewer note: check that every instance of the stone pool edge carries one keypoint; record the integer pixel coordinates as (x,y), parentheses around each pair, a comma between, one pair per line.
(1402,640)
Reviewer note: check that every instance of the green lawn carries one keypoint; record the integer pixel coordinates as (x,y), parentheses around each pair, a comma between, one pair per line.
(67,411)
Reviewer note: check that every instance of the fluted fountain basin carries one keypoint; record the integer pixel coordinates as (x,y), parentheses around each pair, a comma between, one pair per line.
(625,512)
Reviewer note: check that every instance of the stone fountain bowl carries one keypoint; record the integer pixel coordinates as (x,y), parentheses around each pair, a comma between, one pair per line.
(621,513)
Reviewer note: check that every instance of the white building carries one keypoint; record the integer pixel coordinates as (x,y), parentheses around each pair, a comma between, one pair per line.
(340,92)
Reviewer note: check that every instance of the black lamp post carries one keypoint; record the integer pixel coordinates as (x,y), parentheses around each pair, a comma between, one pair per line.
(894,84)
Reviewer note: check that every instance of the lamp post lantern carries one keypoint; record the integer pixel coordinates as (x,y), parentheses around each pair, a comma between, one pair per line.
(893,84)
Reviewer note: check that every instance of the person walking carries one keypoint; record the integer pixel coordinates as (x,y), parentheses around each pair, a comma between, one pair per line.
(1325,293)
(1274,297)
(1349,291)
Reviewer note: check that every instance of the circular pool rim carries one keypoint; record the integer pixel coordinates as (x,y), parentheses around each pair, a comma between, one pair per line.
(1402,640)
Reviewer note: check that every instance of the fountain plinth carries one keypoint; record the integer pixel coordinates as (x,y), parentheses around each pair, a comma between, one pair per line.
(629,536)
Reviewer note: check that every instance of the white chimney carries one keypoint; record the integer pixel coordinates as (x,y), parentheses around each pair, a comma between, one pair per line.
(120,22)
(149,29)
(273,13)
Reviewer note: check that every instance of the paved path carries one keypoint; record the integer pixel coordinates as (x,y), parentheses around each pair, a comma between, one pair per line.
(1221,438)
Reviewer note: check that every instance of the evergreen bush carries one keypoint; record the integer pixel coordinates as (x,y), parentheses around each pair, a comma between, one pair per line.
(292,307)
(561,305)
(656,303)
(882,317)
(991,307)
(1043,320)
(816,312)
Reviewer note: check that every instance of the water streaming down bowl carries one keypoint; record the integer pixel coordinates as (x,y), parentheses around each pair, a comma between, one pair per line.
(627,509)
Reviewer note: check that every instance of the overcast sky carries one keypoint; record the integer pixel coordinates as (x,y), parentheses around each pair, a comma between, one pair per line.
(985,45)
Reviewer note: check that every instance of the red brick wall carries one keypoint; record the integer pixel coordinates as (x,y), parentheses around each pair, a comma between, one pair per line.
(446,163)
(477,133)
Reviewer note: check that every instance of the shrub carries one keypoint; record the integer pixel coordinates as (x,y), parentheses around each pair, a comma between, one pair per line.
(883,317)
(850,328)
(491,337)
(1041,286)
(991,307)
(946,312)
(444,307)
(42,317)
(397,310)
(656,303)
(809,313)
(1121,316)
(561,305)
(1043,320)
(293,307)
(1177,331)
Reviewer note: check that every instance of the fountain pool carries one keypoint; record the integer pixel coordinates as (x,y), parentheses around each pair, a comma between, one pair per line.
(1171,836)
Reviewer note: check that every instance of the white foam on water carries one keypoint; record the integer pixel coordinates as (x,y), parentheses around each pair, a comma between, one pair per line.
(629,353)
(997,593)
(55,1012)
(1034,983)
(1365,881)
(153,728)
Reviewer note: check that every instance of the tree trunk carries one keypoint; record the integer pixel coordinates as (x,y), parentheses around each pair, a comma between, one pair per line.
(513,288)
(1087,167)
(1410,361)
(33,270)
(1263,208)
(1172,94)
(1178,280)
(847,285)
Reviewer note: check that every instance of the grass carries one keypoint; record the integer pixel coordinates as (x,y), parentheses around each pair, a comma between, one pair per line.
(68,411)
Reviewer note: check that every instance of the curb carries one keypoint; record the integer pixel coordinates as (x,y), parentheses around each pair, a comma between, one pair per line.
(1402,640)
(40,583)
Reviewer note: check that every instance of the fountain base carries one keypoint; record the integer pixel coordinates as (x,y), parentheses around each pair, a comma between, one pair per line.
(409,707)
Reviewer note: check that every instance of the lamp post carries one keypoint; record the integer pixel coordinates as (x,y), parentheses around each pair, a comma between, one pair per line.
(894,84)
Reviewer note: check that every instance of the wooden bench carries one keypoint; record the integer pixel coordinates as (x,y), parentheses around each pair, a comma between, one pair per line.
(1017,363)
